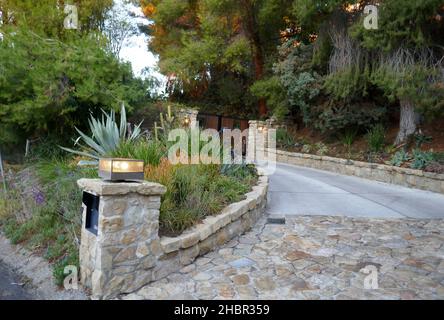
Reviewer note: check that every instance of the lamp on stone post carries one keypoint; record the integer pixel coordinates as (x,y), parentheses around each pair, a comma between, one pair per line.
(117,169)
(120,228)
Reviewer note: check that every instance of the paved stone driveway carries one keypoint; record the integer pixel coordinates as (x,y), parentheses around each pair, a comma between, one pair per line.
(316,257)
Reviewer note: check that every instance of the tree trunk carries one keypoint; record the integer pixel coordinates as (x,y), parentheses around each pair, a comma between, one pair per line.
(258,75)
(251,27)
(407,122)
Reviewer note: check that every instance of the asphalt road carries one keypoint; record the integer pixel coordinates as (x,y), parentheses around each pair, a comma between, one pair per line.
(11,285)
(303,191)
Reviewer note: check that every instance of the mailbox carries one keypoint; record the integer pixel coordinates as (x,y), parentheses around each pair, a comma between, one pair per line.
(91,203)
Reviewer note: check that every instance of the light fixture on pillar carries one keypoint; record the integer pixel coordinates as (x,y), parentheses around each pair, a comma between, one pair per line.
(116,169)
(186,121)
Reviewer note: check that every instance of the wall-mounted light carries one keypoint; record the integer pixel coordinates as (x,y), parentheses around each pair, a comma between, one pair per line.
(116,169)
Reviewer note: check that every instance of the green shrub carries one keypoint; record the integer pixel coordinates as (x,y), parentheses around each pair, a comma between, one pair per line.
(150,151)
(321,149)
(337,117)
(47,85)
(376,138)
(347,139)
(421,139)
(284,138)
(399,158)
(421,159)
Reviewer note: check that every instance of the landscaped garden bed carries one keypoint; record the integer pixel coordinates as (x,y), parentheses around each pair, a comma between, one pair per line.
(41,208)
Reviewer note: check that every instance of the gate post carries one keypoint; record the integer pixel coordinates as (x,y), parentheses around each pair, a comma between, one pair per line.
(120,235)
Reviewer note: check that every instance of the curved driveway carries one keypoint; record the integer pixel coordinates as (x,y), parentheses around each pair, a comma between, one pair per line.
(303,191)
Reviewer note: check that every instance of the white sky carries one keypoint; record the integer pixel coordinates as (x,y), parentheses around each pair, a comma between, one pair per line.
(135,48)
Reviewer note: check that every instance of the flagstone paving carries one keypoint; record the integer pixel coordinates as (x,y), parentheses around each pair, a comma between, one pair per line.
(316,257)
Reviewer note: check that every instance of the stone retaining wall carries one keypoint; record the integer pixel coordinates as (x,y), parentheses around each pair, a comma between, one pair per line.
(127,252)
(390,174)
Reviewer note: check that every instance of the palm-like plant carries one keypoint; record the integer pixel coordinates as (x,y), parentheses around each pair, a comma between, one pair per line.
(106,135)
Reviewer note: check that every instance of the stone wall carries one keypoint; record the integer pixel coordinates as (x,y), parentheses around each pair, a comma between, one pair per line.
(122,254)
(390,174)
(127,253)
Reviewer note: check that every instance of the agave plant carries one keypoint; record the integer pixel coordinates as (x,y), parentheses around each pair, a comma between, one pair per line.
(106,135)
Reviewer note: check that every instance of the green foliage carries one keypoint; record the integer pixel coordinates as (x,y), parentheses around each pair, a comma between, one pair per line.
(376,138)
(347,139)
(420,159)
(421,139)
(150,151)
(238,171)
(47,86)
(349,117)
(411,81)
(107,136)
(53,224)
(272,90)
(399,158)
(216,48)
(196,191)
(284,138)
(301,83)
(349,83)
(321,149)
(307,148)
(396,18)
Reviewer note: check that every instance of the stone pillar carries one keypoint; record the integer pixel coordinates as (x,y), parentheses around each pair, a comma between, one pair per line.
(121,257)
(257,140)
(191,114)
(251,141)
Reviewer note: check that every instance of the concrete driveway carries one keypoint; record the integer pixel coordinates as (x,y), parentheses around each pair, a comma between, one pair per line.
(303,191)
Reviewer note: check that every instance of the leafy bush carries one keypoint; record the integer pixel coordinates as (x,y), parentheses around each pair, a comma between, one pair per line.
(421,159)
(272,90)
(376,138)
(295,73)
(284,138)
(47,86)
(399,158)
(348,117)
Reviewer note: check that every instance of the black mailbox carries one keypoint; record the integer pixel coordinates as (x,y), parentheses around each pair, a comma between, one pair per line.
(91,203)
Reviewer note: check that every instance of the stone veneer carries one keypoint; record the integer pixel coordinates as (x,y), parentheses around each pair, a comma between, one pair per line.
(128,253)
(390,174)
